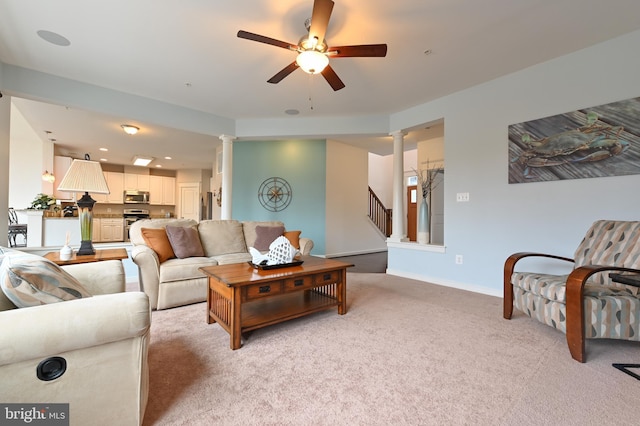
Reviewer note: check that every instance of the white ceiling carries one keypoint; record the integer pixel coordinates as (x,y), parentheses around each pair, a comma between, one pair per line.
(186,53)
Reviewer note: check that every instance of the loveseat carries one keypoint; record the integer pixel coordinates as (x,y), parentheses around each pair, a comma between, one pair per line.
(172,280)
(102,337)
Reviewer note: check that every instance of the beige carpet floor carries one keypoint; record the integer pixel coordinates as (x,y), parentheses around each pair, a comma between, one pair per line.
(406,353)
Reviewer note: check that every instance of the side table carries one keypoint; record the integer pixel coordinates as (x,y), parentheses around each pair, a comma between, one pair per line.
(105,254)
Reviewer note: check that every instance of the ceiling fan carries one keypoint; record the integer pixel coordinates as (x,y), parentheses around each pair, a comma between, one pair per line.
(313,51)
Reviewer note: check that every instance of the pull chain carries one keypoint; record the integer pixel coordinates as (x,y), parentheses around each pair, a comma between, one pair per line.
(310,92)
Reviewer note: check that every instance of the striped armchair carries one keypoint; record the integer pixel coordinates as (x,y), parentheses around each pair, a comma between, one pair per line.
(586,304)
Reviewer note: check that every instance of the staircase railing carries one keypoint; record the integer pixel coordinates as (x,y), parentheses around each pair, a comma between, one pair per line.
(380,215)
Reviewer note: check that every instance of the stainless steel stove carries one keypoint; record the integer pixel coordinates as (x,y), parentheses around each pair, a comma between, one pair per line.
(131,216)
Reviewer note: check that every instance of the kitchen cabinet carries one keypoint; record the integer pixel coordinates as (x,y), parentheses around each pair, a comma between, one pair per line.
(135,182)
(162,190)
(115,182)
(111,229)
(96,233)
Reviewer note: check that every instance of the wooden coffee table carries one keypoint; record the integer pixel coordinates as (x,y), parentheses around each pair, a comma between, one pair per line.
(241,298)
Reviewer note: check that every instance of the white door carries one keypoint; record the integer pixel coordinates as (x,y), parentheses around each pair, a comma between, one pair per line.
(189,202)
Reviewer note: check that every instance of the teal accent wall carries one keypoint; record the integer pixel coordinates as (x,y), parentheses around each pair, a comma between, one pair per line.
(302,163)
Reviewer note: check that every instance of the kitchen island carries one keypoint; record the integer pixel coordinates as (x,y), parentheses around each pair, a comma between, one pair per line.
(55,230)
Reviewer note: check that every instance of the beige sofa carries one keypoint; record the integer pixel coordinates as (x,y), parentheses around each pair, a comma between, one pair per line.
(177,282)
(103,338)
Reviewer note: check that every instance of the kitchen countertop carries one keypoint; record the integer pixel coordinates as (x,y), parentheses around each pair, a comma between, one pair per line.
(60,218)
(95,216)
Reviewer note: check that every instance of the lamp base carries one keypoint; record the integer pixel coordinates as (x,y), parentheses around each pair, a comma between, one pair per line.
(85,248)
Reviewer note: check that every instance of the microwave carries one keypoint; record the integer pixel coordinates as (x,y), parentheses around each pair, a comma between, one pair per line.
(136,197)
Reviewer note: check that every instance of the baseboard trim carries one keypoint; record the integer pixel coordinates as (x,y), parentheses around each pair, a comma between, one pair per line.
(355,253)
(447,283)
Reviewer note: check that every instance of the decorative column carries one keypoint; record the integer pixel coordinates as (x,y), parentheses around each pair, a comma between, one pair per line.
(397,227)
(227,184)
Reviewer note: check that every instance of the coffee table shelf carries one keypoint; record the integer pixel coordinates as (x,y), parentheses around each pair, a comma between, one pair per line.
(241,298)
(273,310)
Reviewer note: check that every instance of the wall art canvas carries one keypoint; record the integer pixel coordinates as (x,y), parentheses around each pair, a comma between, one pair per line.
(592,142)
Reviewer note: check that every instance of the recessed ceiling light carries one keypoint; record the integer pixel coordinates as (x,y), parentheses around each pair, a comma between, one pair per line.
(104,149)
(167,158)
(103,159)
(292,112)
(158,165)
(53,38)
(428,52)
(142,161)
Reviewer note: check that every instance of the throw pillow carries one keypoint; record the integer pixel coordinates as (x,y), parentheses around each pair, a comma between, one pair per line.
(265,235)
(185,241)
(157,239)
(293,237)
(29,280)
(220,237)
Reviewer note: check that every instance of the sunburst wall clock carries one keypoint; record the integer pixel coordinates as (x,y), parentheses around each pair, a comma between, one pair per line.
(275,194)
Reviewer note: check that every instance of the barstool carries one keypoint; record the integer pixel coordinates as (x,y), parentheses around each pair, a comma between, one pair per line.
(16,229)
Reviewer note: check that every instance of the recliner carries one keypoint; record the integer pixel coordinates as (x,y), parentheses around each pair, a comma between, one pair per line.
(103,340)
(587,303)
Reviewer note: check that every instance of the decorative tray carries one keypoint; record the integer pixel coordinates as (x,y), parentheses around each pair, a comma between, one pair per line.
(281,265)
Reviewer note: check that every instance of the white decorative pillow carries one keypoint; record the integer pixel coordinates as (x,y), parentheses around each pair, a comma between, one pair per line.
(29,280)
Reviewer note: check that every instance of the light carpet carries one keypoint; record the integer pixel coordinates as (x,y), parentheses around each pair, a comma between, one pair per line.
(406,352)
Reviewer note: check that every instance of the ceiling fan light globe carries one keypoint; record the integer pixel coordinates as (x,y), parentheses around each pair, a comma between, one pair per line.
(312,61)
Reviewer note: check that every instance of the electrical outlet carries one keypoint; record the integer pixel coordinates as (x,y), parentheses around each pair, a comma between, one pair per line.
(108,209)
(459,259)
(161,210)
(462,197)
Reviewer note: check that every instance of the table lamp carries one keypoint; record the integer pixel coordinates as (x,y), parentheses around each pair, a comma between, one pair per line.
(85,176)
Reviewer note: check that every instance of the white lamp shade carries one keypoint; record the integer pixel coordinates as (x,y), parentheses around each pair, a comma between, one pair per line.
(312,61)
(84,176)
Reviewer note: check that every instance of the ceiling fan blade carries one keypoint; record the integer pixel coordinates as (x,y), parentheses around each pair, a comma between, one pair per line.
(284,72)
(266,40)
(332,78)
(364,50)
(320,18)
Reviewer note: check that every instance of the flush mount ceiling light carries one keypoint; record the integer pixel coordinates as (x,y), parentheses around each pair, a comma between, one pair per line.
(129,129)
(142,161)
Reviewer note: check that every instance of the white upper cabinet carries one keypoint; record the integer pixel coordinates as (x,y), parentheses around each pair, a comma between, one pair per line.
(115,182)
(135,182)
(162,190)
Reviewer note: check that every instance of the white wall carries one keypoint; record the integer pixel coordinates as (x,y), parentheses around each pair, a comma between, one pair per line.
(348,227)
(500,218)
(5,120)
(25,168)
(381,177)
